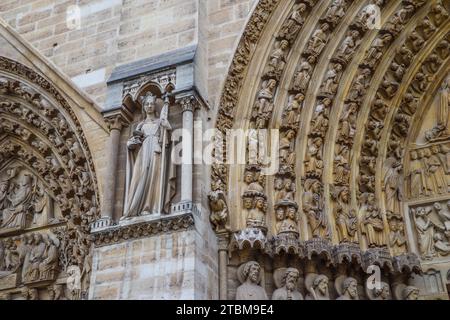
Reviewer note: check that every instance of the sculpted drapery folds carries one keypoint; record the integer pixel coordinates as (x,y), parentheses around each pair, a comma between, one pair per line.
(144,164)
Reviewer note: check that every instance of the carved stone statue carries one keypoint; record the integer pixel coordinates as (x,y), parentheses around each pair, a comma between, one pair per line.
(392,187)
(372,224)
(416,176)
(294,23)
(303,74)
(219,210)
(313,209)
(144,188)
(425,232)
(318,40)
(381,292)
(317,287)
(287,288)
(397,238)
(348,288)
(411,293)
(250,276)
(277,59)
(292,111)
(346,220)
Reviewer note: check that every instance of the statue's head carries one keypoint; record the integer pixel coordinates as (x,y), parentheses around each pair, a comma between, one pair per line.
(321,283)
(291,278)
(251,271)
(382,292)
(284,44)
(248,177)
(248,202)
(149,103)
(37,238)
(291,211)
(350,286)
(280,213)
(411,293)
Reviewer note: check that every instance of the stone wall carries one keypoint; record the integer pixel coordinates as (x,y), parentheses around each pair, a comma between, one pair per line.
(115,32)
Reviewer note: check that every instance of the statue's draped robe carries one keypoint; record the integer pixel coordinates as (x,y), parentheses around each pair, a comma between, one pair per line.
(15,215)
(143,187)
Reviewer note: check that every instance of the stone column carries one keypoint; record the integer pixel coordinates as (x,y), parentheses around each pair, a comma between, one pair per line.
(188,105)
(223,240)
(115,125)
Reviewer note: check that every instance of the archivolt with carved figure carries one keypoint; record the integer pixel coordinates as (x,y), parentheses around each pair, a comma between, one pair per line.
(363,180)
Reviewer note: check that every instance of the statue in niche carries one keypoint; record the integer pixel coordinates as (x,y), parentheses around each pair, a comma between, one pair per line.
(49,265)
(319,123)
(280,215)
(277,59)
(317,287)
(286,280)
(313,208)
(435,170)
(18,193)
(440,14)
(318,40)
(264,98)
(372,224)
(392,187)
(347,288)
(416,176)
(256,217)
(335,11)
(144,188)
(291,117)
(425,232)
(349,45)
(347,123)
(287,143)
(330,83)
(249,275)
(359,86)
(313,161)
(219,210)
(294,23)
(346,220)
(442,129)
(290,221)
(303,74)
(381,292)
(34,260)
(375,51)
(397,238)
(427,28)
(341,165)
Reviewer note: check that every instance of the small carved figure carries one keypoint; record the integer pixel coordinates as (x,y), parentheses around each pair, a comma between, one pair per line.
(318,40)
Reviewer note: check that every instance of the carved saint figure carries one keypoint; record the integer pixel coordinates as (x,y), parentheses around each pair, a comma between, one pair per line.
(49,265)
(144,166)
(397,239)
(264,103)
(313,208)
(392,187)
(287,154)
(372,224)
(313,161)
(277,59)
(346,220)
(289,290)
(36,256)
(318,40)
(292,111)
(416,176)
(250,276)
(425,232)
(294,23)
(19,198)
(318,289)
(349,290)
(303,74)
(289,224)
(219,210)
(381,292)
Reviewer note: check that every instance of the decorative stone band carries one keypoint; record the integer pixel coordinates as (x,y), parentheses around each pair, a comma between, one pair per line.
(346,252)
(164,224)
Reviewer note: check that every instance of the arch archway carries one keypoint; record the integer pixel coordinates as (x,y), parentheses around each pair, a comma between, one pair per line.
(340,94)
(49,194)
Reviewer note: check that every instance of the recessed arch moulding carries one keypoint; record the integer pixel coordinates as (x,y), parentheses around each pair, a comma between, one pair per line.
(362,112)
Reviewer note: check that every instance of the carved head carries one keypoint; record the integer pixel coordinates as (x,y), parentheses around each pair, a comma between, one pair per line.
(291,213)
(284,45)
(291,278)
(251,271)
(325,27)
(248,202)
(280,213)
(311,59)
(37,238)
(278,183)
(248,177)
(383,292)
(260,203)
(410,293)
(435,149)
(414,155)
(350,286)
(149,103)
(321,283)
